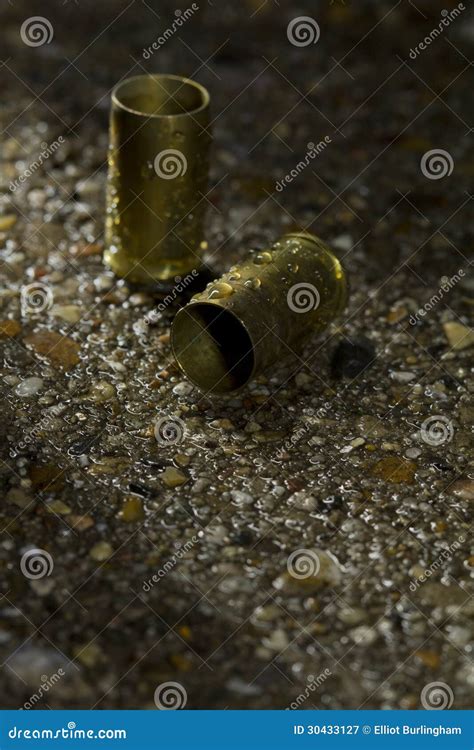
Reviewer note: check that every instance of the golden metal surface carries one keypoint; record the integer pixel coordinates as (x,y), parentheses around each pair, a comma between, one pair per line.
(158,171)
(258,313)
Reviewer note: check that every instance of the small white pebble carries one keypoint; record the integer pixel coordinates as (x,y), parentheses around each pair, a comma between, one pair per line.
(29,387)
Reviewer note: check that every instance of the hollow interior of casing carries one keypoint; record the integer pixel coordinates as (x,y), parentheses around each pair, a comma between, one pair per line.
(213,347)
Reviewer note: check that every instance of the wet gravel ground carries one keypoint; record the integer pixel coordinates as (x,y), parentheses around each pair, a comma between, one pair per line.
(132,556)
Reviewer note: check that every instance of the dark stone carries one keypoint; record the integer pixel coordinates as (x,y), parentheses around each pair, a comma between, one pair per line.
(351,358)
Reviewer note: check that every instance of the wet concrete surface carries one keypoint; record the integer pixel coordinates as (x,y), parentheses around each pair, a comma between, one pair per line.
(307,541)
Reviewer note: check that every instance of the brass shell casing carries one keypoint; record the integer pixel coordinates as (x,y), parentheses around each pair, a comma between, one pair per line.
(258,313)
(157,176)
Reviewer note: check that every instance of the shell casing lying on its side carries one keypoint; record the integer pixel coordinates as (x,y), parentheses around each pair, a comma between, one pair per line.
(258,313)
(158,173)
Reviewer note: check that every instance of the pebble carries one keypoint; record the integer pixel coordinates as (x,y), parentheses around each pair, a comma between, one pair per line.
(61,351)
(104,282)
(172,477)
(413,453)
(402,377)
(363,635)
(222,424)
(101,551)
(9,328)
(7,222)
(277,641)
(303,501)
(458,335)
(343,242)
(463,488)
(356,443)
(351,358)
(68,313)
(241,498)
(29,387)
(132,510)
(43,586)
(59,508)
(395,469)
(183,389)
(101,391)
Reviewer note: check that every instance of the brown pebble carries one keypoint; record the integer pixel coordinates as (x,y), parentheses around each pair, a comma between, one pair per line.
(61,351)
(9,328)
(464,488)
(395,469)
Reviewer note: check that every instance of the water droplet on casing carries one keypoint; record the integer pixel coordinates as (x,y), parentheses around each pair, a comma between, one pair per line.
(220,290)
(293,267)
(253,283)
(234,276)
(263,258)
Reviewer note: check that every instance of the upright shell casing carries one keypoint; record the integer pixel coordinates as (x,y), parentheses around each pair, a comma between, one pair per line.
(258,312)
(157,177)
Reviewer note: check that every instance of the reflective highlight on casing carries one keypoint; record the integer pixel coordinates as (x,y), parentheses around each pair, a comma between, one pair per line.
(258,313)
(158,171)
